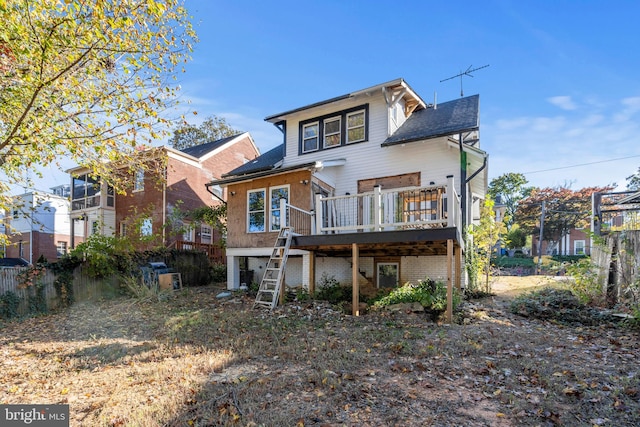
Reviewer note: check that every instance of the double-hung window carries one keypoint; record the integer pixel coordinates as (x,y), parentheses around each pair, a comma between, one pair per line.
(355,126)
(276,194)
(138,183)
(206,234)
(310,137)
(146,228)
(256,211)
(334,130)
(332,135)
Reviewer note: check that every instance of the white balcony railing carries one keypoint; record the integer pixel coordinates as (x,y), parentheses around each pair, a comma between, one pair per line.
(434,206)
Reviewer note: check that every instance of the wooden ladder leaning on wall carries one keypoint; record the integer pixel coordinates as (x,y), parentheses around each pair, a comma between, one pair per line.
(271,283)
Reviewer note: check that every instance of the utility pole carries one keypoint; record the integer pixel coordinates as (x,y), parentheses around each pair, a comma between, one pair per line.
(540,239)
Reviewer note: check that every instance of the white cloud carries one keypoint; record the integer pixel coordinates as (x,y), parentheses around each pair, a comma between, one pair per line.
(564,102)
(583,148)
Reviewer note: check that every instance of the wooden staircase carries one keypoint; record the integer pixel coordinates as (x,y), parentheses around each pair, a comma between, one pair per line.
(271,283)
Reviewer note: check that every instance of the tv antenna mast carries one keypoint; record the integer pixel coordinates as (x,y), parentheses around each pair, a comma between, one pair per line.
(467,72)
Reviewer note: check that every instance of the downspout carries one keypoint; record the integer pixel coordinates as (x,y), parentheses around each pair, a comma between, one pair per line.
(164,210)
(484,165)
(207,186)
(463,182)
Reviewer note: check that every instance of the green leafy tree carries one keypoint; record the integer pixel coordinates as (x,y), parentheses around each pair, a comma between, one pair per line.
(633,181)
(510,188)
(215,216)
(485,238)
(565,209)
(212,129)
(87,81)
(516,237)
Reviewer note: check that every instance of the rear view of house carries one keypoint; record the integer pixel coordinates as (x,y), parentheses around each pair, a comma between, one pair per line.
(377,186)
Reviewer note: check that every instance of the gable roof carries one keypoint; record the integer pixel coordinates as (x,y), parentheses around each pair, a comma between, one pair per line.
(448,118)
(409,94)
(202,149)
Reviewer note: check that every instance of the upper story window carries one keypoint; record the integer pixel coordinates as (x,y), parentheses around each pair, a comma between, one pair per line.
(334,130)
(310,137)
(356,130)
(86,193)
(138,183)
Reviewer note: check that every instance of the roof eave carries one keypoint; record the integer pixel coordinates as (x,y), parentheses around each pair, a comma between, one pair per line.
(260,174)
(276,118)
(439,135)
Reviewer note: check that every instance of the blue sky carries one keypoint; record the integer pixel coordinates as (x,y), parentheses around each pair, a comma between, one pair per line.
(562,87)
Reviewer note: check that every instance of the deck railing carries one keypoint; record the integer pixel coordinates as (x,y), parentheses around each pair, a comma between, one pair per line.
(301,221)
(434,206)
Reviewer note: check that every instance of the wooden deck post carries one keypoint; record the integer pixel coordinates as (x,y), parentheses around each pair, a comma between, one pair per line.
(312,273)
(449,316)
(458,268)
(355,268)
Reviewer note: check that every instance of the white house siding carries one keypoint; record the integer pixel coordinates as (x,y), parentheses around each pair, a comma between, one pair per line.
(412,269)
(433,158)
(43,212)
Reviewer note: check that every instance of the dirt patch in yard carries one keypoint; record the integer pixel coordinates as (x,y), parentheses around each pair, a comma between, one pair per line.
(195,359)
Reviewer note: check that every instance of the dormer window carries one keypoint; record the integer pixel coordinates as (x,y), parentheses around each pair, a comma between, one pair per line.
(334,130)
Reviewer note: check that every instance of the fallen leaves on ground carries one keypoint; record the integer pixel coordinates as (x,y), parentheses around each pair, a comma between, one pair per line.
(198,360)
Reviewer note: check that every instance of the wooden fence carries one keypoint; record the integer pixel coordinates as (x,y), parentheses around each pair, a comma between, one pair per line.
(618,262)
(84,287)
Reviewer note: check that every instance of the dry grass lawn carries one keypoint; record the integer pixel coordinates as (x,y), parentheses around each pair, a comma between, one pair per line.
(196,360)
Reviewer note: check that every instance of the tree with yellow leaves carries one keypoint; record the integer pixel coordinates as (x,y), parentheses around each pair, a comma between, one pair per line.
(87,80)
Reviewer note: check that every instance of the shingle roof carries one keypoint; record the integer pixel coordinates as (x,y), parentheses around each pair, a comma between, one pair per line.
(202,149)
(13,262)
(266,161)
(449,118)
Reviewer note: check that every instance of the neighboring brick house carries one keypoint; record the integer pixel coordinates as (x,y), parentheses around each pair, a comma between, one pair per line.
(38,225)
(152,205)
(371,183)
(576,242)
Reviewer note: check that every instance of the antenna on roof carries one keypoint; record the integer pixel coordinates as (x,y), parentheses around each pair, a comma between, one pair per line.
(467,72)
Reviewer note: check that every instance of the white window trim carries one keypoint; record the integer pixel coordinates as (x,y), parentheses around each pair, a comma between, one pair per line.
(138,180)
(325,134)
(264,210)
(206,233)
(188,233)
(317,137)
(146,227)
(363,126)
(61,248)
(271,189)
(575,247)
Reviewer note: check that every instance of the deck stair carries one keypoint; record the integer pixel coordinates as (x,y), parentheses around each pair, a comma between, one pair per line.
(271,283)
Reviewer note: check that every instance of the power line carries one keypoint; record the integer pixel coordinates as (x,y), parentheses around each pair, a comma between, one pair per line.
(581,164)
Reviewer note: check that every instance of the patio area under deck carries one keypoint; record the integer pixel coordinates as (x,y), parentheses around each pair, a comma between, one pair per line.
(416,221)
